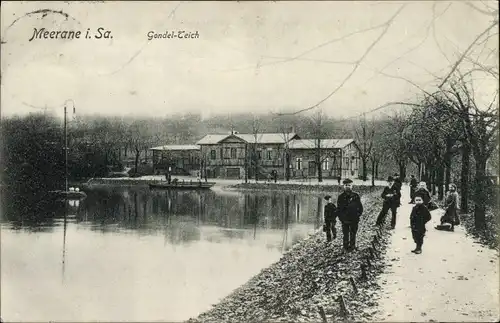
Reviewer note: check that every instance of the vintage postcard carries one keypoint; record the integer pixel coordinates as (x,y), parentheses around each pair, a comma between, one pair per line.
(249,161)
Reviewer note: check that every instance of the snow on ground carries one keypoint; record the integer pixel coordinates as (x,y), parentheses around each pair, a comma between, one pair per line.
(454,279)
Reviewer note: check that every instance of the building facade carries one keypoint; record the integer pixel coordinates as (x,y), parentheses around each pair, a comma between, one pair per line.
(338,158)
(244,155)
(182,159)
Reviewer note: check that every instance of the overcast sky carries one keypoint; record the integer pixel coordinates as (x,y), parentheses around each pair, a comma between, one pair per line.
(236,64)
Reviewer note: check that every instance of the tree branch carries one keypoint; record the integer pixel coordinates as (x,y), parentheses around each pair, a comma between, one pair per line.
(459,61)
(357,63)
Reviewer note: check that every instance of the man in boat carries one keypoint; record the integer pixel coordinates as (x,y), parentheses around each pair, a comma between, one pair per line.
(350,209)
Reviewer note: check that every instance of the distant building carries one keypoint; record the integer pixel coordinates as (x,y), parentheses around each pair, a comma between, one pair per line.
(338,157)
(183,159)
(235,155)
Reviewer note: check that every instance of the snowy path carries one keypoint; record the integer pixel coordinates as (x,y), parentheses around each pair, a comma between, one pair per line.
(454,279)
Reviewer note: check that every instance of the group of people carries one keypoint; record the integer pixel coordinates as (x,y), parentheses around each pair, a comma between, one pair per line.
(349,210)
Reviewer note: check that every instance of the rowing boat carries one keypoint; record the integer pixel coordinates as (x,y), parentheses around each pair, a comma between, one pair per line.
(183,185)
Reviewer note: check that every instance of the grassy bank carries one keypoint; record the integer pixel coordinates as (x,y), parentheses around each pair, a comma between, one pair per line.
(314,188)
(312,274)
(487,237)
(126,181)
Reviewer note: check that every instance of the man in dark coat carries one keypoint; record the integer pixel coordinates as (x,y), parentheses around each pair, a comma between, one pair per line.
(413,188)
(330,215)
(391,196)
(419,216)
(349,210)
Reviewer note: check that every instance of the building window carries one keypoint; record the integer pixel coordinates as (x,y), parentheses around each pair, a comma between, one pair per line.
(233,153)
(259,154)
(212,154)
(221,153)
(269,155)
(325,164)
(346,163)
(298,163)
(226,155)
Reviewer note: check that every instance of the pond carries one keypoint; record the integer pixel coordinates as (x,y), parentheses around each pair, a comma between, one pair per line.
(132,254)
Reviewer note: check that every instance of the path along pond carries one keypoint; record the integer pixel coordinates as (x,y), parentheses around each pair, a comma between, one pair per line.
(134,254)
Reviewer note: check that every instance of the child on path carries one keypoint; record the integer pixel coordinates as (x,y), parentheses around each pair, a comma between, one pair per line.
(420,215)
(330,215)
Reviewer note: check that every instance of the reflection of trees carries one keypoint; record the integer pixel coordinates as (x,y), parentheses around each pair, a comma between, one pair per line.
(286,220)
(317,224)
(22,212)
(181,230)
(169,212)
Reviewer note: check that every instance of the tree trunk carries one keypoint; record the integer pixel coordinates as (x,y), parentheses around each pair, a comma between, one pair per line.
(320,172)
(376,168)
(464,178)
(256,165)
(318,161)
(373,172)
(287,165)
(137,155)
(480,193)
(419,174)
(363,160)
(402,170)
(434,176)
(448,176)
(440,183)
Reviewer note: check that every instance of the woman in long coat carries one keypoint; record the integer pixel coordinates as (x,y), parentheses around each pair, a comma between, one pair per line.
(451,215)
(422,190)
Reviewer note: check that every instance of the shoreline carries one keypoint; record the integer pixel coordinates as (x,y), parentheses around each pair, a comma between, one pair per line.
(234,185)
(313,274)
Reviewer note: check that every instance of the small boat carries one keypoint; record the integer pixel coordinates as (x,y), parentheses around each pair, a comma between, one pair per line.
(183,185)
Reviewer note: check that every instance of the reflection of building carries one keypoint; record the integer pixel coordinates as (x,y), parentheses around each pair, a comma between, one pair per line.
(233,154)
(183,159)
(338,157)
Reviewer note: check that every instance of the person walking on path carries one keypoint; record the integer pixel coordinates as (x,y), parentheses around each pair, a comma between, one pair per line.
(419,216)
(451,215)
(391,196)
(330,215)
(413,189)
(350,210)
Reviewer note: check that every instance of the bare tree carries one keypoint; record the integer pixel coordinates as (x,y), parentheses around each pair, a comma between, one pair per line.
(364,134)
(139,138)
(481,134)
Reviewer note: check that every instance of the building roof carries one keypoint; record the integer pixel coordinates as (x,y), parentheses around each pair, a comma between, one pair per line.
(324,143)
(176,147)
(261,138)
(211,139)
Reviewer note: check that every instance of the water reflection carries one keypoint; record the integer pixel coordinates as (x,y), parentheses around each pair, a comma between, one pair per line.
(132,245)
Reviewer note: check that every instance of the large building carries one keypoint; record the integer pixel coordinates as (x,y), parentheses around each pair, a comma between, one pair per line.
(338,158)
(235,155)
